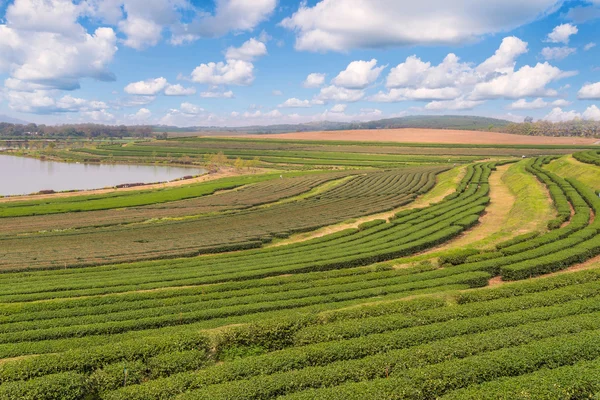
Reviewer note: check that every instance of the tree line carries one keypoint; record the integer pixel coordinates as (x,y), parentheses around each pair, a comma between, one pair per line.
(89,131)
(574,128)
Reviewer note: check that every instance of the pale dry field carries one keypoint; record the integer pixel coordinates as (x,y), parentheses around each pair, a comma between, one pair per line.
(410,135)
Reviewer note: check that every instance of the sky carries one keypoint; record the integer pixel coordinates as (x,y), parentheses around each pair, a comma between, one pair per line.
(260,62)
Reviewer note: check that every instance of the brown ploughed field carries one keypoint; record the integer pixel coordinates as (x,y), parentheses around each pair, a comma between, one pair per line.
(410,135)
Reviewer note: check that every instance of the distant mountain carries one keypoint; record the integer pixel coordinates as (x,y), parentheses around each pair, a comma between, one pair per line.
(460,122)
(9,120)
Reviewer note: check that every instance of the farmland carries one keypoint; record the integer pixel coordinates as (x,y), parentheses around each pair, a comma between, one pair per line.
(335,270)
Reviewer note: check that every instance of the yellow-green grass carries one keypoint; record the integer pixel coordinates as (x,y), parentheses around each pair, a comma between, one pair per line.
(519,204)
(568,167)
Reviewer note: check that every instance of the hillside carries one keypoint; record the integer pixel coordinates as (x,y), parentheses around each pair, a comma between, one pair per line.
(415,121)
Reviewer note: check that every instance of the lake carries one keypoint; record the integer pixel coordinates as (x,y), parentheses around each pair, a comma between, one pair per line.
(20,175)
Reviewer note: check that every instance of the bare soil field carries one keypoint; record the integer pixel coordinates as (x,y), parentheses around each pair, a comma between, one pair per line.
(426,136)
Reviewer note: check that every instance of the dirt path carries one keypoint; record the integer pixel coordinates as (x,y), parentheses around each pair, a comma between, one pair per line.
(409,135)
(589,264)
(223,173)
(496,214)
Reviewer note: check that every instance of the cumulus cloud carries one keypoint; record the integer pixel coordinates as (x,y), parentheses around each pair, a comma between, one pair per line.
(338,108)
(191,109)
(592,113)
(100,116)
(523,104)
(142,22)
(248,51)
(340,25)
(557,53)
(178,90)
(504,59)
(425,94)
(152,87)
(295,103)
(229,16)
(56,60)
(526,82)
(335,93)
(456,104)
(147,87)
(589,46)
(558,115)
(562,33)
(217,95)
(44,102)
(142,115)
(231,72)
(134,101)
(452,79)
(358,74)
(314,80)
(589,91)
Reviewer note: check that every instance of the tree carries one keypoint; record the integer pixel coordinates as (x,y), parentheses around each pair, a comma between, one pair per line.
(528,120)
(253,163)
(239,164)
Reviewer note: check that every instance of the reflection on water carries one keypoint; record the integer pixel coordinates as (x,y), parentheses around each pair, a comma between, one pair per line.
(19,175)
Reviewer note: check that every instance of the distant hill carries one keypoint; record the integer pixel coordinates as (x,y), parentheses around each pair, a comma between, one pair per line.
(460,122)
(10,120)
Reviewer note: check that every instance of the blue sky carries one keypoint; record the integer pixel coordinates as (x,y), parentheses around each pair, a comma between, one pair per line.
(247,62)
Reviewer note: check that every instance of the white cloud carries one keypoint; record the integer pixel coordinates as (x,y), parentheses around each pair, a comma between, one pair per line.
(427,94)
(589,46)
(526,82)
(141,33)
(452,79)
(314,80)
(589,91)
(55,16)
(562,33)
(229,15)
(558,115)
(134,101)
(340,25)
(592,113)
(295,103)
(560,103)
(143,114)
(277,93)
(190,109)
(248,51)
(57,57)
(101,116)
(504,59)
(456,104)
(178,90)
(334,93)
(148,87)
(523,104)
(338,108)
(43,102)
(557,53)
(358,74)
(415,73)
(233,72)
(217,95)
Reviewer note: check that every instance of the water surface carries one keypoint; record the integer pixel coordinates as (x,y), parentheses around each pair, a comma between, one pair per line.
(20,175)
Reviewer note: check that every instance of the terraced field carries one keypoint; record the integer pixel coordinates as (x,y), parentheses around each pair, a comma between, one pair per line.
(361,312)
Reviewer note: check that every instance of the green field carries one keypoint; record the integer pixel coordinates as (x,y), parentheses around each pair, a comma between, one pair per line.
(337,271)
